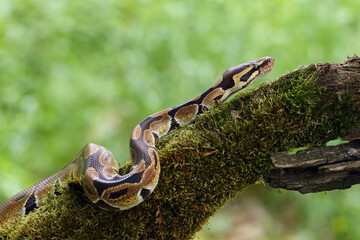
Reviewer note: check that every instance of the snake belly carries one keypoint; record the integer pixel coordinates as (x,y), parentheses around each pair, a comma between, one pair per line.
(96,169)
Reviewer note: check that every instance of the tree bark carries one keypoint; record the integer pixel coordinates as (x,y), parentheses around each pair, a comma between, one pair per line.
(210,162)
(317,169)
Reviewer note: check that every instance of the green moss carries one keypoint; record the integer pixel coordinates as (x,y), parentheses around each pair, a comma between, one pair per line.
(206,164)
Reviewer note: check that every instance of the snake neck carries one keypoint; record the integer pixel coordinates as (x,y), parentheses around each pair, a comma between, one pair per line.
(148,131)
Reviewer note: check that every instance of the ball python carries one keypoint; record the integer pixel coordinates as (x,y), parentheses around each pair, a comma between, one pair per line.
(96,169)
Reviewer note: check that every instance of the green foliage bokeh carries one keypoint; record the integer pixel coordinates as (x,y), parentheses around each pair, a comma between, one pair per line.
(74,72)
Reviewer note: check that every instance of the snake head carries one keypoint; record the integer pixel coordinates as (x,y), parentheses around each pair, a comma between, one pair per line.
(242,75)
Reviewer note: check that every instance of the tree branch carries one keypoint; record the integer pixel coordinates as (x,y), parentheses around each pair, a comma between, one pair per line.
(324,168)
(317,169)
(210,162)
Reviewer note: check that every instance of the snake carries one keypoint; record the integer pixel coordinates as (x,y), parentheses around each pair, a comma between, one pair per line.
(97,171)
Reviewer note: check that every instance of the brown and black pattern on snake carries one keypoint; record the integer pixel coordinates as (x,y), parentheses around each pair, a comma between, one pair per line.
(96,169)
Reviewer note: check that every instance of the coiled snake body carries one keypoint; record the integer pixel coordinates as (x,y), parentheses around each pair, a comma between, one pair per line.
(96,169)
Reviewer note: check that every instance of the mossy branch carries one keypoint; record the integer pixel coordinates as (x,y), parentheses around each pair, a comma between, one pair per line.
(210,162)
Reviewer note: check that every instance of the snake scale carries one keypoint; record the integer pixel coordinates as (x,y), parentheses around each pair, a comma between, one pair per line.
(96,169)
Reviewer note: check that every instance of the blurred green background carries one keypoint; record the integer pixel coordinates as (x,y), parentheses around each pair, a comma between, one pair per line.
(74,72)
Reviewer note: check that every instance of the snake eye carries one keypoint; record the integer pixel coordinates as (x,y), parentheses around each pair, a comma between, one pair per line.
(256,67)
